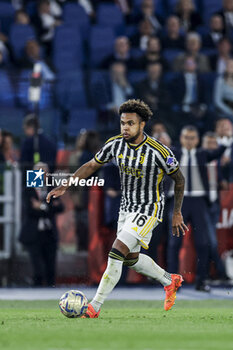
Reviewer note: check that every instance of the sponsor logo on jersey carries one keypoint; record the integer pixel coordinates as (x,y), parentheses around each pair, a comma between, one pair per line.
(131,157)
(131,171)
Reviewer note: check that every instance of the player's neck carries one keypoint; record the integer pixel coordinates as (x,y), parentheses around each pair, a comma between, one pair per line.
(139,139)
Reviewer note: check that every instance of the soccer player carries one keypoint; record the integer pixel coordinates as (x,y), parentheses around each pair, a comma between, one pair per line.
(142,162)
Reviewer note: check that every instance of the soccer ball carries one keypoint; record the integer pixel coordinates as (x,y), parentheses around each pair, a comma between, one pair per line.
(73,304)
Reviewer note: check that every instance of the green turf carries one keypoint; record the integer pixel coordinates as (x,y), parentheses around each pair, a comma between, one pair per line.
(123,325)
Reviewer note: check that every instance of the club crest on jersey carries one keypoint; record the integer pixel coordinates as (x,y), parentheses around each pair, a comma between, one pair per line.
(142,158)
(171,161)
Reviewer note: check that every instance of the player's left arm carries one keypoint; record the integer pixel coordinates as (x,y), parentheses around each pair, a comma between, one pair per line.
(177,219)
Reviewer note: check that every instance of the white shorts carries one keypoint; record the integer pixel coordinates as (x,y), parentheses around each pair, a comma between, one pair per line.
(135,230)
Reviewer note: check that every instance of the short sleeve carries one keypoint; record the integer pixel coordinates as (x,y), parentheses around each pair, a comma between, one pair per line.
(169,163)
(105,154)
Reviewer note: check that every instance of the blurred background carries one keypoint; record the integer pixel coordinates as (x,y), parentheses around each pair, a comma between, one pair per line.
(65,68)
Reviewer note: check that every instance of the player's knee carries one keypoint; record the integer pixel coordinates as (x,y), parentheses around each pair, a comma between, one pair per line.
(130,262)
(115,254)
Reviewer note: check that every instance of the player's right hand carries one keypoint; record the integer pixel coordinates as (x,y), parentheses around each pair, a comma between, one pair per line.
(56,192)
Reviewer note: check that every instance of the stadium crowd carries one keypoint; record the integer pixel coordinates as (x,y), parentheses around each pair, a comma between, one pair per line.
(93,55)
(175,55)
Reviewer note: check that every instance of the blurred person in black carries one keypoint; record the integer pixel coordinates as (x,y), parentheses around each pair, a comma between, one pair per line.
(2,159)
(227,14)
(87,144)
(193,162)
(219,61)
(121,54)
(148,12)
(190,19)
(39,233)
(47,18)
(216,32)
(224,131)
(36,146)
(152,89)
(193,46)
(32,55)
(119,90)
(144,32)
(152,54)
(189,97)
(173,39)
(216,182)
(112,194)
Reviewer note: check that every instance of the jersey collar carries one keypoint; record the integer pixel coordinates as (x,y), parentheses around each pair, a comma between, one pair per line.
(136,147)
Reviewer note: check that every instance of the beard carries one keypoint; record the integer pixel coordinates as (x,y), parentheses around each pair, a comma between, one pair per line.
(133,138)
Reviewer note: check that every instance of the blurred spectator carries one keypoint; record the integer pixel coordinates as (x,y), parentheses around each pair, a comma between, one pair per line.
(120,88)
(32,56)
(3,63)
(126,7)
(189,94)
(224,131)
(193,46)
(46,20)
(18,4)
(158,128)
(193,162)
(21,17)
(216,32)
(78,151)
(219,61)
(227,14)
(189,88)
(88,7)
(9,153)
(190,19)
(209,143)
(153,54)
(39,232)
(152,90)
(87,144)
(173,38)
(112,190)
(2,159)
(148,12)
(36,147)
(121,54)
(165,139)
(145,31)
(4,49)
(223,92)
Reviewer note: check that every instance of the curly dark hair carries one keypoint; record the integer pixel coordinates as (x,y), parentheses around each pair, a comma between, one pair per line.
(136,106)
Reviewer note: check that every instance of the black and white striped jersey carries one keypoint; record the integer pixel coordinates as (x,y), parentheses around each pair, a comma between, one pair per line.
(142,168)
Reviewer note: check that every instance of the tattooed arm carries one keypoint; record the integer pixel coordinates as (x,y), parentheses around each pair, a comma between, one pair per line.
(177,219)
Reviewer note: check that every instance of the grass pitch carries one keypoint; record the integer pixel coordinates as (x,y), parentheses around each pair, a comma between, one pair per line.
(123,325)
